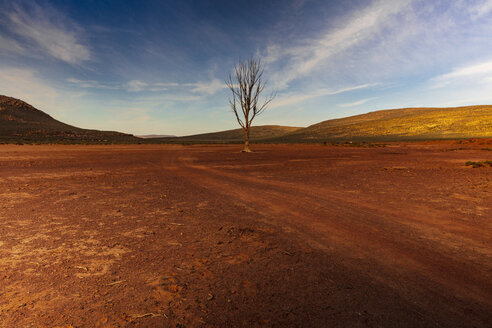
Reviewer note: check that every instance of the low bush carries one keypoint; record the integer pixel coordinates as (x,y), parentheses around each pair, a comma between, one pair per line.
(479,164)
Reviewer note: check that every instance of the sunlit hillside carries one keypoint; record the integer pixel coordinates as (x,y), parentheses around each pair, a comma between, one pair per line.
(400,124)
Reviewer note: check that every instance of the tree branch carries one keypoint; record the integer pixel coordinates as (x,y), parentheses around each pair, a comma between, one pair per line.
(246,85)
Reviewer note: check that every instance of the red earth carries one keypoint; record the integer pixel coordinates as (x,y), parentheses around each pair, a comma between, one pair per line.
(398,235)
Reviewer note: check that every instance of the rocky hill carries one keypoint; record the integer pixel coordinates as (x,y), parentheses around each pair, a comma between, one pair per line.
(21,122)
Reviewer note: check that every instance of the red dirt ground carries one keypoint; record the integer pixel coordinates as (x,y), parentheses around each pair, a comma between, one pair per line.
(288,236)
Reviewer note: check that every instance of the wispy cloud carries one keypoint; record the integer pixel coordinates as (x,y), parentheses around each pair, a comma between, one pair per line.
(360,27)
(480,9)
(163,86)
(357,103)
(136,86)
(295,98)
(46,29)
(459,74)
(205,88)
(131,86)
(10,46)
(89,84)
(210,87)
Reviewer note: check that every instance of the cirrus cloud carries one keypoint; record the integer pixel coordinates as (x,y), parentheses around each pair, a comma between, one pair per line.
(46,29)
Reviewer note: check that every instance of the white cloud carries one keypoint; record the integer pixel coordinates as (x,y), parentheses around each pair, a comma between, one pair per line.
(136,86)
(48,30)
(273,53)
(357,103)
(209,88)
(162,86)
(476,71)
(166,84)
(92,84)
(132,86)
(291,99)
(360,27)
(481,9)
(203,88)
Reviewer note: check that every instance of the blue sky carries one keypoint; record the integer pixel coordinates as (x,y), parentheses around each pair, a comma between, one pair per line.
(158,67)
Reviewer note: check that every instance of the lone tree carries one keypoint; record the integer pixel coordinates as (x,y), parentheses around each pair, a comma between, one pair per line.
(246,84)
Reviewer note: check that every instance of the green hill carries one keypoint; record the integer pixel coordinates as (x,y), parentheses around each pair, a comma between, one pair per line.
(400,124)
(21,122)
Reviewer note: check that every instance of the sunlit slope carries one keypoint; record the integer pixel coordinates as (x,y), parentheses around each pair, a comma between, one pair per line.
(256,133)
(402,124)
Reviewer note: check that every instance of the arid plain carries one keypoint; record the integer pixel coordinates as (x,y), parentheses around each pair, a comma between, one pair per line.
(396,235)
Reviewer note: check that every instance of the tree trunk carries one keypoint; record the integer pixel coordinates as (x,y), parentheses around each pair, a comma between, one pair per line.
(246,141)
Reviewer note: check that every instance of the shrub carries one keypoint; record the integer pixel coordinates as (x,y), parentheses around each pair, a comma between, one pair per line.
(478,164)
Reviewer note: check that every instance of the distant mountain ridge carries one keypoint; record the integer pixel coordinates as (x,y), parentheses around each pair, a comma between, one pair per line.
(20,121)
(153,136)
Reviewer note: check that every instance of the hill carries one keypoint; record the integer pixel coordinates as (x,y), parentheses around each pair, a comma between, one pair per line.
(400,124)
(21,122)
(153,136)
(257,133)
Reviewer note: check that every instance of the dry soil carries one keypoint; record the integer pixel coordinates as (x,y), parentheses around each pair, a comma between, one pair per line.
(206,236)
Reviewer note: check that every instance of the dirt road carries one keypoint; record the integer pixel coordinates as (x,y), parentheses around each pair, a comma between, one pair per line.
(301,236)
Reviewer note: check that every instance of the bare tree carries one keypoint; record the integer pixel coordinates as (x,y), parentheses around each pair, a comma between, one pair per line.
(246,84)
